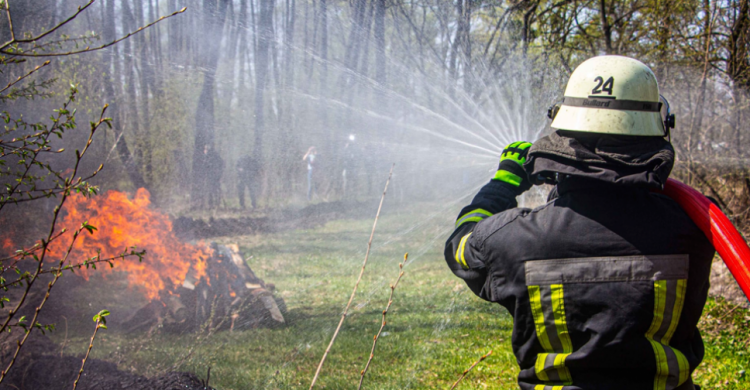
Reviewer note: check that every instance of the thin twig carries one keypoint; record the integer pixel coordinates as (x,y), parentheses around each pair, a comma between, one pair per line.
(45,33)
(466,371)
(354,291)
(12,83)
(731,311)
(99,324)
(89,49)
(90,262)
(382,324)
(65,341)
(10,22)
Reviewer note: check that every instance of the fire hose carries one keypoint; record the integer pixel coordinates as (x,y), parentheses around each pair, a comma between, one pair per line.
(717,227)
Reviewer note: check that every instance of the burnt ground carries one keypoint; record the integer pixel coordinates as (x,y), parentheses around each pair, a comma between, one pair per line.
(40,366)
(308,217)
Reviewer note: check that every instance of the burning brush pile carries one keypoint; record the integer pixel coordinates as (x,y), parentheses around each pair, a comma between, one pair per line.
(191,287)
(227,295)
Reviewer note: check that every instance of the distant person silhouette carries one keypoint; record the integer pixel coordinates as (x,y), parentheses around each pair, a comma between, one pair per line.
(348,177)
(311,157)
(214,170)
(248,177)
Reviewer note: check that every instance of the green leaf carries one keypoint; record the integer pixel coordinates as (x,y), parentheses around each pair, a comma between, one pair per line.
(88,227)
(99,317)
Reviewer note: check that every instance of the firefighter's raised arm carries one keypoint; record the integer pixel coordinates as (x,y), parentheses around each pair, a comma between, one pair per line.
(463,251)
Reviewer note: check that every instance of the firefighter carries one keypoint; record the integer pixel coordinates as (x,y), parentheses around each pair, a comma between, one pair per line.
(607,281)
(312,163)
(214,169)
(248,175)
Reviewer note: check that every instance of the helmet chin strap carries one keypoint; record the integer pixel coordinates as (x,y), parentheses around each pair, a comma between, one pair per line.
(668,119)
(553,110)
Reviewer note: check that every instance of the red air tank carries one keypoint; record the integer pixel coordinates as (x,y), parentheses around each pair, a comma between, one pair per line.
(723,235)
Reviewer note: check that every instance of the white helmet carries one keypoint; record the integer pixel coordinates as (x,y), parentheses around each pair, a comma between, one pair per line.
(612,95)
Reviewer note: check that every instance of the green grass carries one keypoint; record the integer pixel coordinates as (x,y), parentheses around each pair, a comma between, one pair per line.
(436,326)
(726,332)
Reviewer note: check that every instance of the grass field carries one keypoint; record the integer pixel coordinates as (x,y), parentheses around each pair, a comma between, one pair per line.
(436,327)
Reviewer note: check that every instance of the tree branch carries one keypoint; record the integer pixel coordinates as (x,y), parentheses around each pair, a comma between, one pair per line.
(382,324)
(466,371)
(44,34)
(89,49)
(12,83)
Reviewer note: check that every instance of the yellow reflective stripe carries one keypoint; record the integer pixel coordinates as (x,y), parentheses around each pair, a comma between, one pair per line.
(678,305)
(473,216)
(662,367)
(508,177)
(460,252)
(558,364)
(539,367)
(561,328)
(563,371)
(470,219)
(684,366)
(676,311)
(660,300)
(662,359)
(535,299)
(545,387)
(558,310)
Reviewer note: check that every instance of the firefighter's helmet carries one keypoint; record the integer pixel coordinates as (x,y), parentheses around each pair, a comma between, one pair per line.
(611,95)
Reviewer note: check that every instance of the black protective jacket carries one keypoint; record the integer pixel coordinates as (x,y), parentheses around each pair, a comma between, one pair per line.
(606,282)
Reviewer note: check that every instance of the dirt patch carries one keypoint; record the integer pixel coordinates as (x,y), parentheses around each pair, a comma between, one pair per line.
(308,217)
(723,284)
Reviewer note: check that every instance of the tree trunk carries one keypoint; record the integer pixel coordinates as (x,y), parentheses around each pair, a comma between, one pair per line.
(146,83)
(366,46)
(242,52)
(606,28)
(453,64)
(110,60)
(209,43)
(288,156)
(466,42)
(265,34)
(380,70)
(738,68)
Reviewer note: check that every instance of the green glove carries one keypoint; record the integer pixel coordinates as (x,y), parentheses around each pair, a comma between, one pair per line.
(511,166)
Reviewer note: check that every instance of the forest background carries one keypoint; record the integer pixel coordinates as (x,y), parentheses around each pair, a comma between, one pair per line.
(269,78)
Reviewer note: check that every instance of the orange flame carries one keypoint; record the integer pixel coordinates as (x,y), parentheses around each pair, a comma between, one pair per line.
(122,223)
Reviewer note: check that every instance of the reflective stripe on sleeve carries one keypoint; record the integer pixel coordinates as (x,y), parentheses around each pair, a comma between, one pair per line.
(473,216)
(508,177)
(545,387)
(460,252)
(672,368)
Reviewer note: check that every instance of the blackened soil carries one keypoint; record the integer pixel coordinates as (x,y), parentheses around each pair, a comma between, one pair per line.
(40,366)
